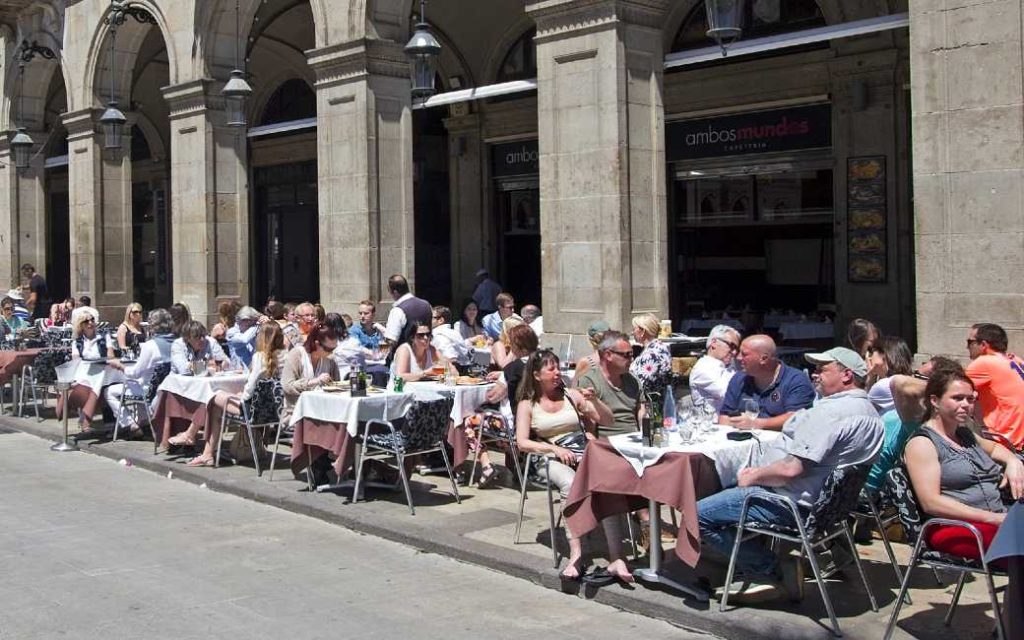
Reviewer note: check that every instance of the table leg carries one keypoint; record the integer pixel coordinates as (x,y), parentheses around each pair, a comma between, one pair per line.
(15,405)
(65,445)
(652,573)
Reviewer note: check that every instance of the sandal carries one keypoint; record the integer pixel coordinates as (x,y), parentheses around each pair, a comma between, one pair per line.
(181,440)
(487,478)
(579,572)
(200,461)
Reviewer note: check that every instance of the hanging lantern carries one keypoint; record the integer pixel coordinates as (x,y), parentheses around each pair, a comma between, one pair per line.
(422,51)
(235,93)
(725,21)
(21,144)
(113,122)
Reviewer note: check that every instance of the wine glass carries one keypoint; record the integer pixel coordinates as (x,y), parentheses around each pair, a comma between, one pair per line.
(750,409)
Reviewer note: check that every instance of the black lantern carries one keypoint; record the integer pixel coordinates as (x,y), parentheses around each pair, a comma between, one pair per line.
(725,21)
(21,144)
(113,122)
(237,90)
(422,51)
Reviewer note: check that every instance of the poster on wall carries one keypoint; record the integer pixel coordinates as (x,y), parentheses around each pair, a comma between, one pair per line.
(867,249)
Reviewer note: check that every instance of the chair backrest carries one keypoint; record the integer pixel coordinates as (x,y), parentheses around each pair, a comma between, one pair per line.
(901,493)
(160,371)
(837,498)
(266,402)
(426,423)
(44,365)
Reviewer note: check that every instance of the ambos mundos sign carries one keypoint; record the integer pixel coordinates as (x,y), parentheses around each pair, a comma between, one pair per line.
(789,129)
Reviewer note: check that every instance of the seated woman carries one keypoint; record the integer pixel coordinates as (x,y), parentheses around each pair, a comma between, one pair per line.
(268,362)
(131,334)
(10,324)
(523,343)
(152,352)
(546,417)
(469,326)
(888,356)
(595,334)
(89,344)
(415,358)
(60,313)
(226,311)
(195,351)
(653,367)
(955,474)
(180,314)
(309,365)
(501,353)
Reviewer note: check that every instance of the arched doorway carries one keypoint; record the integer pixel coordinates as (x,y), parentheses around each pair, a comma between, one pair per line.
(57,269)
(283,155)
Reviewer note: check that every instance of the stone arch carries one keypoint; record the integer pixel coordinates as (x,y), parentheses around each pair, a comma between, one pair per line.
(501,48)
(266,89)
(39,75)
(832,11)
(147,128)
(130,36)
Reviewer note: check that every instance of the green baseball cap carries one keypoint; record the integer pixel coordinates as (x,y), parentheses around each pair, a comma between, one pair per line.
(846,357)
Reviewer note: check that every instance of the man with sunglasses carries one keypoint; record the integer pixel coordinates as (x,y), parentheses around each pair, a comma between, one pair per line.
(778,389)
(710,377)
(613,384)
(998,378)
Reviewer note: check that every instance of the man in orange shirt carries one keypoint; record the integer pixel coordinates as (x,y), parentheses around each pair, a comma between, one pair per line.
(998,378)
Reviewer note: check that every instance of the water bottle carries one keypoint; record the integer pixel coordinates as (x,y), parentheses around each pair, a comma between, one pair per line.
(668,416)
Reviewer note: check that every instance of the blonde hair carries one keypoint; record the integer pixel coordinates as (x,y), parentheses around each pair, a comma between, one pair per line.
(79,320)
(513,320)
(648,323)
(135,306)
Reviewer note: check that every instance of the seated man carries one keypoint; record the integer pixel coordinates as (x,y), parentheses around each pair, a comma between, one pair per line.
(531,316)
(448,341)
(841,429)
(242,335)
(998,378)
(613,384)
(492,321)
(366,331)
(709,378)
(778,389)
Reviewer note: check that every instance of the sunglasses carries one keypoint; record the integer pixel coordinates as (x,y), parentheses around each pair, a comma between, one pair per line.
(625,354)
(735,348)
(424,335)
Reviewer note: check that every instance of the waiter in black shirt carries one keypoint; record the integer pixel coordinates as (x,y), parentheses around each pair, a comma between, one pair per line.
(38,300)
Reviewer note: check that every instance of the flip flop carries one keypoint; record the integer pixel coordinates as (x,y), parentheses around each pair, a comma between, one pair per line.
(198,461)
(604,578)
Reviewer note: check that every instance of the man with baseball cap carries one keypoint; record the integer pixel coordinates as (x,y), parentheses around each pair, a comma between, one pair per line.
(841,429)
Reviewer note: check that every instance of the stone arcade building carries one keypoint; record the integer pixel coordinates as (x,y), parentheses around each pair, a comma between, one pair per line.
(617,183)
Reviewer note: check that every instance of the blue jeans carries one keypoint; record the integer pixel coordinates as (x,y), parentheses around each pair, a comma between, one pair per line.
(718,516)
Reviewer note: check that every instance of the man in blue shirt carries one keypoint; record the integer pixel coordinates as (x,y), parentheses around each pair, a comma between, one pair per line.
(365,331)
(242,336)
(492,322)
(778,389)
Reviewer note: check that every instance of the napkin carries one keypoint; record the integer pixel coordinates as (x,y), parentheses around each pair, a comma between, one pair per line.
(631,447)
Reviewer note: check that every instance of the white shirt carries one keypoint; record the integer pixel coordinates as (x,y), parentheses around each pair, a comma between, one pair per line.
(396,320)
(450,344)
(709,379)
(538,326)
(347,354)
(149,357)
(881,395)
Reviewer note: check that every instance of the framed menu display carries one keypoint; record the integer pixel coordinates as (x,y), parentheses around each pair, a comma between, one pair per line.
(866,206)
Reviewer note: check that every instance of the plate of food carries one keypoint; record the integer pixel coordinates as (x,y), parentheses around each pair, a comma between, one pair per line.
(467,381)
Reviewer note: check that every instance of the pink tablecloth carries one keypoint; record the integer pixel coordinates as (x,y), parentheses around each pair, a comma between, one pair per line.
(12,362)
(606,484)
(174,413)
(314,438)
(82,397)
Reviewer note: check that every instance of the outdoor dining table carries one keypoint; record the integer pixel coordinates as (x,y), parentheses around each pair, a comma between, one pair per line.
(12,363)
(614,472)
(1008,547)
(707,324)
(185,399)
(91,376)
(327,421)
(807,330)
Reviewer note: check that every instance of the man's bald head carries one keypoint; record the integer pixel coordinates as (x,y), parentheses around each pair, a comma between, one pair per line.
(761,344)
(757,355)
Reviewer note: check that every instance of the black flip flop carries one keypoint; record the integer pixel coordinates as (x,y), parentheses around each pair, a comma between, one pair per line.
(603,578)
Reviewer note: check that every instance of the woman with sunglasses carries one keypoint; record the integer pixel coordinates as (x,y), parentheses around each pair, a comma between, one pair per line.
(10,324)
(88,343)
(548,417)
(309,365)
(415,358)
(131,334)
(710,376)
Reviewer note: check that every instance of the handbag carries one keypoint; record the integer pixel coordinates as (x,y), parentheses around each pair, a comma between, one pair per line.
(575,441)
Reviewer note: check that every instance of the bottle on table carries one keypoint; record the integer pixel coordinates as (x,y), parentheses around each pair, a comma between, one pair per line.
(668,416)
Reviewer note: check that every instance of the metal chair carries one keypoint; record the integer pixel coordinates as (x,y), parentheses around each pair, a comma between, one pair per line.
(134,406)
(911,517)
(260,411)
(871,506)
(825,522)
(999,438)
(41,375)
(423,431)
(494,428)
(524,481)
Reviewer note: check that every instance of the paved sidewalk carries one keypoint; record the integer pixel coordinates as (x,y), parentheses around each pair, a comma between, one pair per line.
(122,553)
(480,531)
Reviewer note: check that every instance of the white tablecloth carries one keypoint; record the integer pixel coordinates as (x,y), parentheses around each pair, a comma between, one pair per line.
(467,397)
(706,325)
(96,375)
(340,407)
(807,330)
(729,456)
(202,388)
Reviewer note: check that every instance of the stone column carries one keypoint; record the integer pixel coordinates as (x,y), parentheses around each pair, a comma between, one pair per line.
(968,146)
(209,201)
(364,165)
(470,233)
(101,215)
(23,217)
(602,161)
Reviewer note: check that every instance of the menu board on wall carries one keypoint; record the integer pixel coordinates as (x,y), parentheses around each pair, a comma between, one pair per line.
(867,249)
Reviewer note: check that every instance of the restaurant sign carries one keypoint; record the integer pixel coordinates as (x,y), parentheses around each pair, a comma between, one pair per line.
(790,129)
(515,158)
